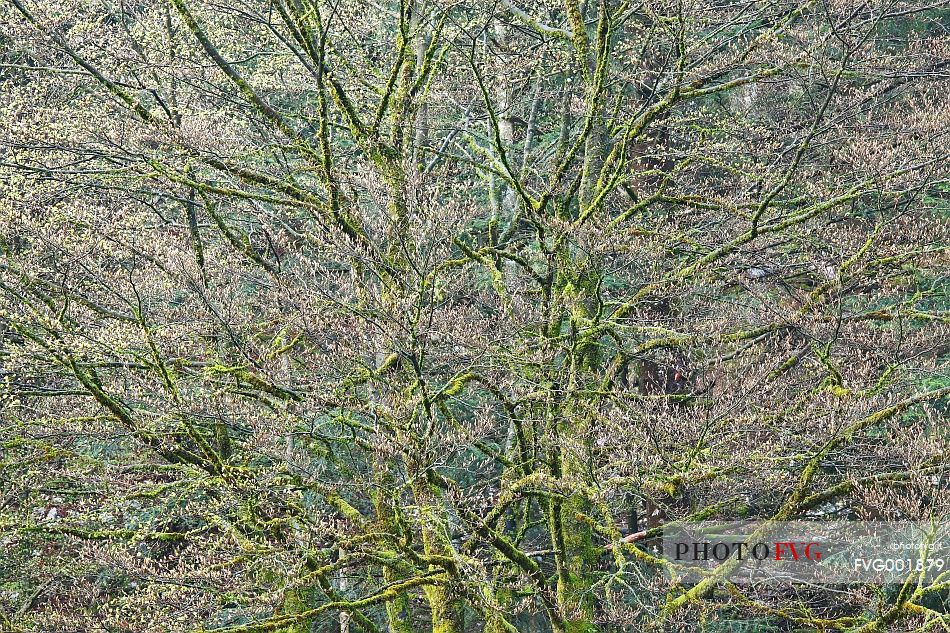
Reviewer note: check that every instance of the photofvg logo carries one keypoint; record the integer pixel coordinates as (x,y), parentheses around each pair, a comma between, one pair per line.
(827,552)
(741,550)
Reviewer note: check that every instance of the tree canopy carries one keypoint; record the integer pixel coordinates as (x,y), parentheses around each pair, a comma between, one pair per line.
(408,316)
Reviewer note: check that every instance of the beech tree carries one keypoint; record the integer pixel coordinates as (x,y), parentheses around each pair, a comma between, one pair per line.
(404,316)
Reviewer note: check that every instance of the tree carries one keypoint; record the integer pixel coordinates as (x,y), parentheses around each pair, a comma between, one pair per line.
(410,316)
